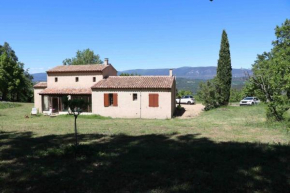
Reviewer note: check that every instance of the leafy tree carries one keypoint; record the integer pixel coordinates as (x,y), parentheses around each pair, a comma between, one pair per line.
(258,84)
(236,95)
(224,71)
(25,90)
(216,92)
(9,51)
(7,66)
(76,107)
(15,82)
(86,56)
(280,71)
(271,74)
(207,93)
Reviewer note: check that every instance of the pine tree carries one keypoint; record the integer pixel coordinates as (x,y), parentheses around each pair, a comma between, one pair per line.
(224,71)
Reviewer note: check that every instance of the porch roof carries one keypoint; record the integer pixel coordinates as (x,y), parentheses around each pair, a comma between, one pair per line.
(69,91)
(40,85)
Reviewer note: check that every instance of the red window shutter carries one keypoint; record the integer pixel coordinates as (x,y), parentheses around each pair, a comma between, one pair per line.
(156,100)
(106,100)
(151,100)
(115,99)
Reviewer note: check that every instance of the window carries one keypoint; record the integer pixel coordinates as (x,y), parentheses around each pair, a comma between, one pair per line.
(55,79)
(94,79)
(135,97)
(110,99)
(153,100)
(46,101)
(77,79)
(86,98)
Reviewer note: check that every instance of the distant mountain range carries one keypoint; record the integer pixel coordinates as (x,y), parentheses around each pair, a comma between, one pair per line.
(188,72)
(203,73)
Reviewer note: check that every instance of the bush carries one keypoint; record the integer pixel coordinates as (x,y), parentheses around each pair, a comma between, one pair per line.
(208,94)
(275,111)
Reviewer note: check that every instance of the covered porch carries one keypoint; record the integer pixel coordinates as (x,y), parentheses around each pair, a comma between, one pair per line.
(55,102)
(52,99)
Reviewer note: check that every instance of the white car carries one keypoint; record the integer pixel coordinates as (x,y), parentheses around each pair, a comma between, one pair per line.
(249,101)
(186,100)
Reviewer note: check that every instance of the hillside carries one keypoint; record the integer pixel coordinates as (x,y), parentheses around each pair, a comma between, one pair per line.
(193,84)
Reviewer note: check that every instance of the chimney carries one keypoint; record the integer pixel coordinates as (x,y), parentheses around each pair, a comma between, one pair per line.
(170,72)
(106,62)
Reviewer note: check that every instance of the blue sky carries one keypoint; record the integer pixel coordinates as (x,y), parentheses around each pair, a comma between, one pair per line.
(140,34)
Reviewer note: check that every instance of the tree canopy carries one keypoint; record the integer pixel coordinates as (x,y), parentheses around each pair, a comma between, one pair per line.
(224,71)
(15,81)
(216,92)
(83,57)
(271,74)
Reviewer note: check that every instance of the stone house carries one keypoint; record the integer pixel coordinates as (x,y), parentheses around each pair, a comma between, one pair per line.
(151,97)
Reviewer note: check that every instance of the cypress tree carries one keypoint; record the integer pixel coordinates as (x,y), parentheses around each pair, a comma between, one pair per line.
(224,71)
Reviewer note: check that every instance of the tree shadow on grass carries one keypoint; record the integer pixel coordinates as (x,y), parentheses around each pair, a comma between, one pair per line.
(147,163)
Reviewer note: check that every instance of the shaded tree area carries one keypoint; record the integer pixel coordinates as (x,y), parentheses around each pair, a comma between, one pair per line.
(147,163)
(83,57)
(15,81)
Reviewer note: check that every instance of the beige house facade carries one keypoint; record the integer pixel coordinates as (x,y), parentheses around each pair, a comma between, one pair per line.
(150,97)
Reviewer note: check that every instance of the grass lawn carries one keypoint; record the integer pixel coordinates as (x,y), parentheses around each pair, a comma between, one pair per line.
(5,105)
(230,149)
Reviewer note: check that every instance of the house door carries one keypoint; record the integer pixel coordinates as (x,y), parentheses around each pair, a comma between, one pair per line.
(55,105)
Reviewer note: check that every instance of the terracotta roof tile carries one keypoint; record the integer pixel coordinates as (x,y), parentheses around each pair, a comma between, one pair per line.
(40,85)
(79,68)
(131,82)
(66,91)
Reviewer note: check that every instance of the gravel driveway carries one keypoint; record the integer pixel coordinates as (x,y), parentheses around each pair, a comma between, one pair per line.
(191,110)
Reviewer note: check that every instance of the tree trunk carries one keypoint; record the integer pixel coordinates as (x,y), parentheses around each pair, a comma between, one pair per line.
(277,115)
(76,132)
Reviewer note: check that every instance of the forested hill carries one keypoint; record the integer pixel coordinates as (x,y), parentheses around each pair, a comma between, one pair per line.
(203,73)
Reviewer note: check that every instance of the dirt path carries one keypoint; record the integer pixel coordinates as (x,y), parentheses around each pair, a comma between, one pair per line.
(191,110)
